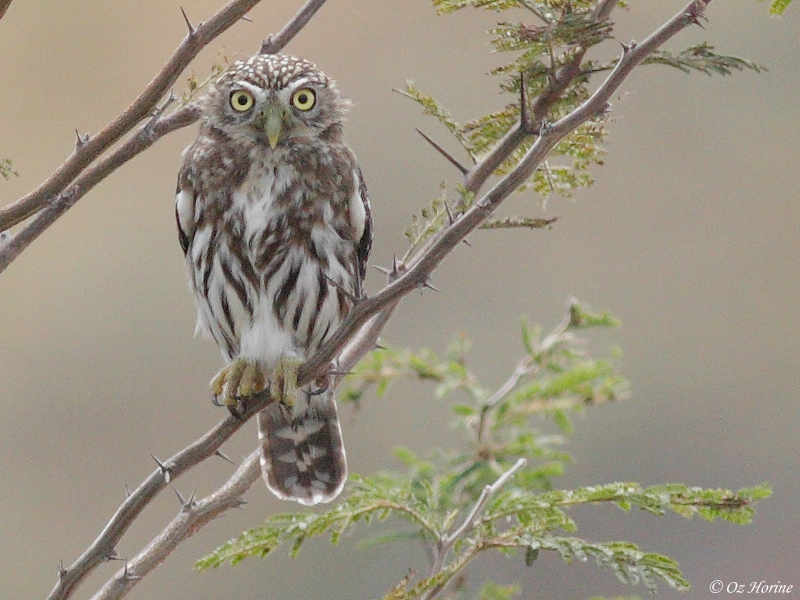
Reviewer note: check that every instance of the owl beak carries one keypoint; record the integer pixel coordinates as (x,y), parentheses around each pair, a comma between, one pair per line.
(273,124)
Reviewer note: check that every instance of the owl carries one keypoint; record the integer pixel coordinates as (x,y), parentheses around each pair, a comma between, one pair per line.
(274,220)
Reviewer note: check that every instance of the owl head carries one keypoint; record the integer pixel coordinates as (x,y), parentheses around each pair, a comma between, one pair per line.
(276,99)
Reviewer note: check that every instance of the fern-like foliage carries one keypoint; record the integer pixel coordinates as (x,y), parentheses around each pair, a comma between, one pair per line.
(559,34)
(703,59)
(477,499)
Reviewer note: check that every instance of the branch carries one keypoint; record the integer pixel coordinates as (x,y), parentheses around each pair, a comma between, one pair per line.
(145,137)
(4,4)
(141,108)
(421,266)
(55,196)
(275,43)
(531,120)
(192,516)
(103,547)
(446,541)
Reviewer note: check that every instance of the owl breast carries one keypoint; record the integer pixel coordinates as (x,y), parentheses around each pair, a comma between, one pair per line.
(275,268)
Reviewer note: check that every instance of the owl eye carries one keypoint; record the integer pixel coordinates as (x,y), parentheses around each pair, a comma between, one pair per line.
(241,100)
(304,99)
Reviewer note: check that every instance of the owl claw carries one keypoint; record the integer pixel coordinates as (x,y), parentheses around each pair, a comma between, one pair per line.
(240,379)
(284,380)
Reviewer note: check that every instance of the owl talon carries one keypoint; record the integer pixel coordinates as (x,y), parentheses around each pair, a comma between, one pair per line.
(283,385)
(240,379)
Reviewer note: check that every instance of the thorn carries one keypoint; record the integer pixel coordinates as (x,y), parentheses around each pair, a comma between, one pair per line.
(188,23)
(427,284)
(61,570)
(544,128)
(163,467)
(466,241)
(445,153)
(339,287)
(186,504)
(126,574)
(127,490)
(392,273)
(239,502)
(380,347)
(224,457)
(111,555)
(81,140)
(245,18)
(450,216)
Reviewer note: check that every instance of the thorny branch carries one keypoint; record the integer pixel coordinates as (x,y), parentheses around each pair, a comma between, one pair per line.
(4,4)
(58,193)
(62,190)
(359,332)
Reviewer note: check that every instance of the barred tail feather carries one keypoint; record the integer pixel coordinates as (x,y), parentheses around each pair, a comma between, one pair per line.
(302,454)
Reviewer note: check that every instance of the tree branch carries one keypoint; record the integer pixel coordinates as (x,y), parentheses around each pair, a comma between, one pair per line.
(143,106)
(446,541)
(55,196)
(420,267)
(191,517)
(103,547)
(277,42)
(4,4)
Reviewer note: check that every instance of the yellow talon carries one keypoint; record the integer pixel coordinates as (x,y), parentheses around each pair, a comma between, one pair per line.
(241,378)
(284,380)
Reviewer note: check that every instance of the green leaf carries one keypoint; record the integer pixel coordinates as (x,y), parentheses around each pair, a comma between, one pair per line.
(518,222)
(702,58)
(778,6)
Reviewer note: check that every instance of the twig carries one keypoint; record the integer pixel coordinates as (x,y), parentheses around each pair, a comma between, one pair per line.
(145,137)
(141,108)
(527,125)
(275,43)
(192,517)
(419,268)
(55,196)
(529,364)
(446,541)
(4,4)
(135,503)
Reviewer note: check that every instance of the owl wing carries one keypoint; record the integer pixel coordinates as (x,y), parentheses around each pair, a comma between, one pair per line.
(185,202)
(365,243)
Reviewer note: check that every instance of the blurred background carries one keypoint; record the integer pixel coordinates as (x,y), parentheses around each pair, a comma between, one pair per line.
(690,237)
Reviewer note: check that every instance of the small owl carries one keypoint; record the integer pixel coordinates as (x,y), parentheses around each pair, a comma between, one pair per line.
(274,219)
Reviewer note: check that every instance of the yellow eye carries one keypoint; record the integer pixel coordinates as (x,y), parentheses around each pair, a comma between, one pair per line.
(304,99)
(241,100)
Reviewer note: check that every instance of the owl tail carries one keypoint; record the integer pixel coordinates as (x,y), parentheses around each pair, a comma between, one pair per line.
(302,454)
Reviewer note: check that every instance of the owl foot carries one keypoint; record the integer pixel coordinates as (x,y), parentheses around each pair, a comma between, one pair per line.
(240,379)
(283,385)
